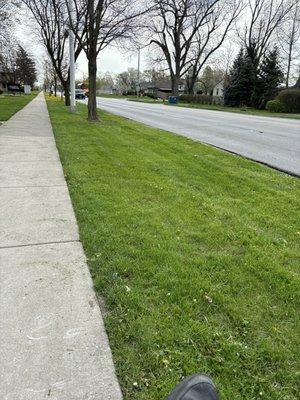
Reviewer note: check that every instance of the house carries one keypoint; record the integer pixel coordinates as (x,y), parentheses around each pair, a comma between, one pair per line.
(107,90)
(218,93)
(162,89)
(218,90)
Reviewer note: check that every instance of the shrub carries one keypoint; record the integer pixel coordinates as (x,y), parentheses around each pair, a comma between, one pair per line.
(275,106)
(152,96)
(1,91)
(129,93)
(290,98)
(196,98)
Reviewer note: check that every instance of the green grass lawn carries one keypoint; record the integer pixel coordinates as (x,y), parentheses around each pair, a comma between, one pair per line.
(196,253)
(9,105)
(215,107)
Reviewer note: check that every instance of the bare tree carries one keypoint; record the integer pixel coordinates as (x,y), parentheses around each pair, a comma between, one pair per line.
(51,17)
(263,18)
(209,79)
(8,44)
(106,21)
(50,76)
(155,75)
(211,36)
(8,54)
(3,18)
(289,41)
(128,80)
(8,19)
(188,32)
(6,11)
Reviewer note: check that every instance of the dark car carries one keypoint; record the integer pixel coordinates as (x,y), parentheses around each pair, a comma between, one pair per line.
(79,94)
(14,88)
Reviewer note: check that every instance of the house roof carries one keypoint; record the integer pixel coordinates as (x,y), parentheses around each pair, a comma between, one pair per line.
(106,87)
(164,84)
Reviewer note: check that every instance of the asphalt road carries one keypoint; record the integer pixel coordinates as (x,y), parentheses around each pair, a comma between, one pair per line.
(272,141)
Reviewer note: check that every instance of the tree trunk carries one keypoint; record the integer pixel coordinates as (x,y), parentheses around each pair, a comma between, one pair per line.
(191,85)
(92,102)
(66,87)
(191,80)
(289,64)
(55,86)
(287,81)
(175,85)
(291,45)
(91,53)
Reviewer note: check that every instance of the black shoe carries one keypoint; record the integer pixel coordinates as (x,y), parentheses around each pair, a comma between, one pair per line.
(195,387)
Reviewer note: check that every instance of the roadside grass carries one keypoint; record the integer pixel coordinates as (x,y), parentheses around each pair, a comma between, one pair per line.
(215,107)
(196,253)
(9,105)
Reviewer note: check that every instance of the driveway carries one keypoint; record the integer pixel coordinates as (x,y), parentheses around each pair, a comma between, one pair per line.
(272,141)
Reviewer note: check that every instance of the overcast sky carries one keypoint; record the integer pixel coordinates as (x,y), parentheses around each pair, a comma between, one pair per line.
(111,59)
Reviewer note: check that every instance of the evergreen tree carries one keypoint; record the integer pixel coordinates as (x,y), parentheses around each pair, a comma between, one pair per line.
(268,78)
(25,68)
(241,81)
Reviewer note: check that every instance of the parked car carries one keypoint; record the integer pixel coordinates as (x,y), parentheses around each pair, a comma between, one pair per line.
(79,94)
(14,88)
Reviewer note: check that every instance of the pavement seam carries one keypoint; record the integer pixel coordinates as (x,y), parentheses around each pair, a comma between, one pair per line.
(27,161)
(32,186)
(39,244)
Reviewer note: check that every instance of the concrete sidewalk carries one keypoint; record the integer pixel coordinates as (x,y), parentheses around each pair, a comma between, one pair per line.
(53,341)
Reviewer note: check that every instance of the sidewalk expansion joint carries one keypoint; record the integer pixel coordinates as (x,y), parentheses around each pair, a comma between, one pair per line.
(31,186)
(13,161)
(39,244)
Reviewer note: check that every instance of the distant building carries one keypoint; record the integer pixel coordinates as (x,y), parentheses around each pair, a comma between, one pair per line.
(107,90)
(219,89)
(161,89)
(218,93)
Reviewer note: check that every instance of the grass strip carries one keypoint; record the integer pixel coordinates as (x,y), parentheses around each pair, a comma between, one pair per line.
(196,253)
(216,107)
(9,105)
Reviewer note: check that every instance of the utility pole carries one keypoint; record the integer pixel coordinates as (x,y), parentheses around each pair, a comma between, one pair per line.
(71,56)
